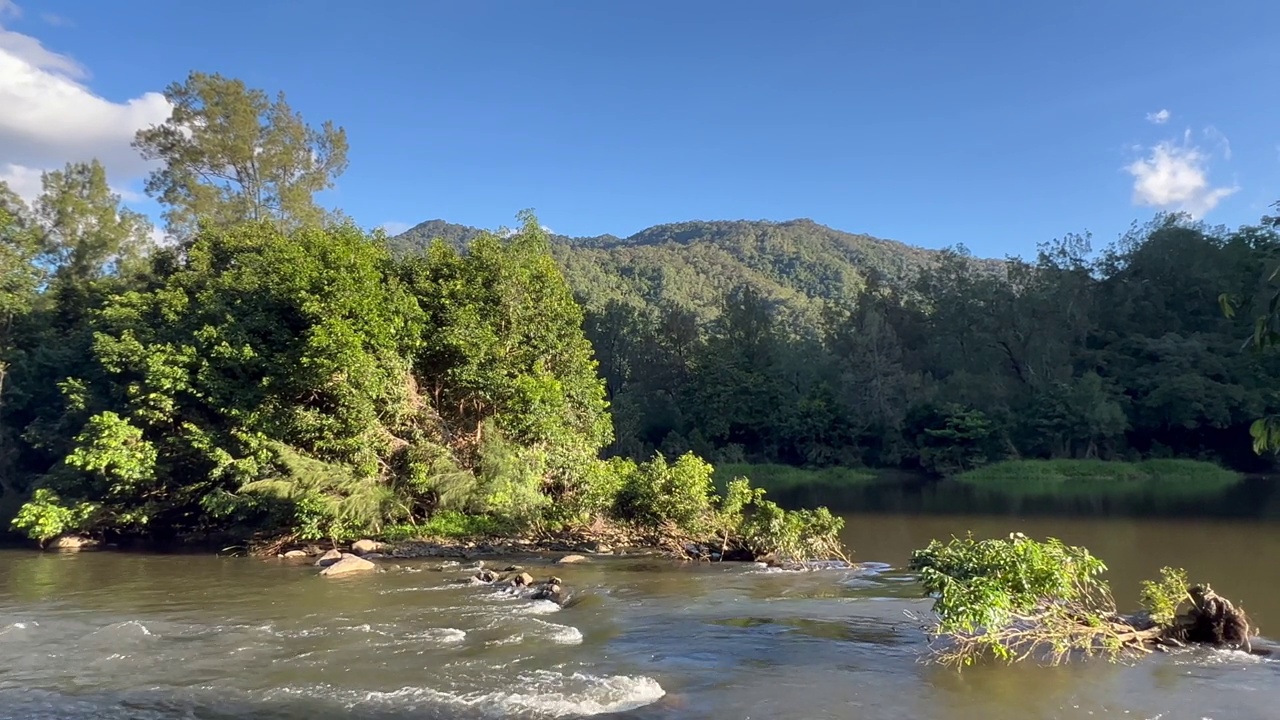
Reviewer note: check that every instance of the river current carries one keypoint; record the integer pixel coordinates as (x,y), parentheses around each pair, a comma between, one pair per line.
(149,637)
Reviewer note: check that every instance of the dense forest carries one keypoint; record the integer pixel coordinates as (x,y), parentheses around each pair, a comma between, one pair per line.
(796,344)
(272,371)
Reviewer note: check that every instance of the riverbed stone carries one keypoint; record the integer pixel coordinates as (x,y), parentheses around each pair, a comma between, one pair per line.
(348,564)
(71,543)
(595,547)
(571,560)
(552,592)
(485,576)
(292,554)
(329,558)
(522,579)
(364,547)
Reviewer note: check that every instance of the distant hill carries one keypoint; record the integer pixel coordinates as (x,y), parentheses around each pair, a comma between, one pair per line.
(795,262)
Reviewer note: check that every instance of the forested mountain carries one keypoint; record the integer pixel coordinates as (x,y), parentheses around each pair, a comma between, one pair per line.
(795,263)
(794,343)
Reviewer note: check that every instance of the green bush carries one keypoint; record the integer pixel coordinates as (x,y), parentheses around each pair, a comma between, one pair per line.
(655,495)
(44,516)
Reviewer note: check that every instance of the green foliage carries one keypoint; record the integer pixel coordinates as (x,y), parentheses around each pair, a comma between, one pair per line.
(983,587)
(792,535)
(1161,598)
(44,517)
(656,494)
(229,154)
(753,342)
(511,481)
(448,525)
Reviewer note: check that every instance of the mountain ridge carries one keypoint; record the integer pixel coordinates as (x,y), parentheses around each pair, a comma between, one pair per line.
(798,263)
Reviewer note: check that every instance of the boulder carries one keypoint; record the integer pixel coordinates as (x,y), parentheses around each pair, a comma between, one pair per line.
(595,547)
(295,554)
(571,560)
(364,547)
(485,576)
(523,579)
(71,543)
(348,564)
(329,558)
(552,592)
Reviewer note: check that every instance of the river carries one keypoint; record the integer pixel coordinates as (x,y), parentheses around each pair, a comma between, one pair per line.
(150,637)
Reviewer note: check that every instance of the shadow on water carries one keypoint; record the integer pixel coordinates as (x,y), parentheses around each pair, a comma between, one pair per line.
(1254,497)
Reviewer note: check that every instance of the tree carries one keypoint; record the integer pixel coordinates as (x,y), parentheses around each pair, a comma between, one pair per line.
(87,233)
(230,154)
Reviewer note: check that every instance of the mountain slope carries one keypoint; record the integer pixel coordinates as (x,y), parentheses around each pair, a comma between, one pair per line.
(795,263)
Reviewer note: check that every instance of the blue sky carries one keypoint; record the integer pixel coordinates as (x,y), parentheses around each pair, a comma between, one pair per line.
(995,124)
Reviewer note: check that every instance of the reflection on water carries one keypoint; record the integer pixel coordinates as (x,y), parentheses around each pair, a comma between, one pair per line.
(1252,497)
(119,636)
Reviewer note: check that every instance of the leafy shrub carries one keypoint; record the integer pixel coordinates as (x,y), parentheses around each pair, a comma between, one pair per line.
(986,586)
(44,516)
(792,535)
(511,480)
(655,494)
(1162,597)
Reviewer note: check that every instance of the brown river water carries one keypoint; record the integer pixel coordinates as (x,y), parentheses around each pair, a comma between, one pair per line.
(149,637)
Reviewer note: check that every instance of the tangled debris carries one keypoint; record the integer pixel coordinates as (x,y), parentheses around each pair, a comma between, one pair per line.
(1015,598)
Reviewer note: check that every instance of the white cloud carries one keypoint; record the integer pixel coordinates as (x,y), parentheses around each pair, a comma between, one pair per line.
(1159,118)
(9,8)
(22,180)
(394,227)
(1175,176)
(48,117)
(54,19)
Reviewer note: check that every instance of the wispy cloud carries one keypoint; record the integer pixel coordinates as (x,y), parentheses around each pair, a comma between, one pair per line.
(1159,117)
(1174,175)
(55,19)
(394,227)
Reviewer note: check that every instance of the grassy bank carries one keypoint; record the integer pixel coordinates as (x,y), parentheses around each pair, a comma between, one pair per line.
(1070,478)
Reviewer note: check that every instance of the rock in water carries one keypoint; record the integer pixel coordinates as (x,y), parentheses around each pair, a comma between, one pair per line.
(295,554)
(348,564)
(571,560)
(364,547)
(522,579)
(485,576)
(71,543)
(329,558)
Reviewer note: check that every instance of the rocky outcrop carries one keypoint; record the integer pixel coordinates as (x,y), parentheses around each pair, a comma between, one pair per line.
(348,564)
(71,543)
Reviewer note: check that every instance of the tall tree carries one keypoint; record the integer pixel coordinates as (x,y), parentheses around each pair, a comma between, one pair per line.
(229,153)
(87,233)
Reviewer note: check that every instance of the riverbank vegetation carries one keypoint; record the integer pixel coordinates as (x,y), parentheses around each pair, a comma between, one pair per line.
(1016,598)
(273,372)
(1064,478)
